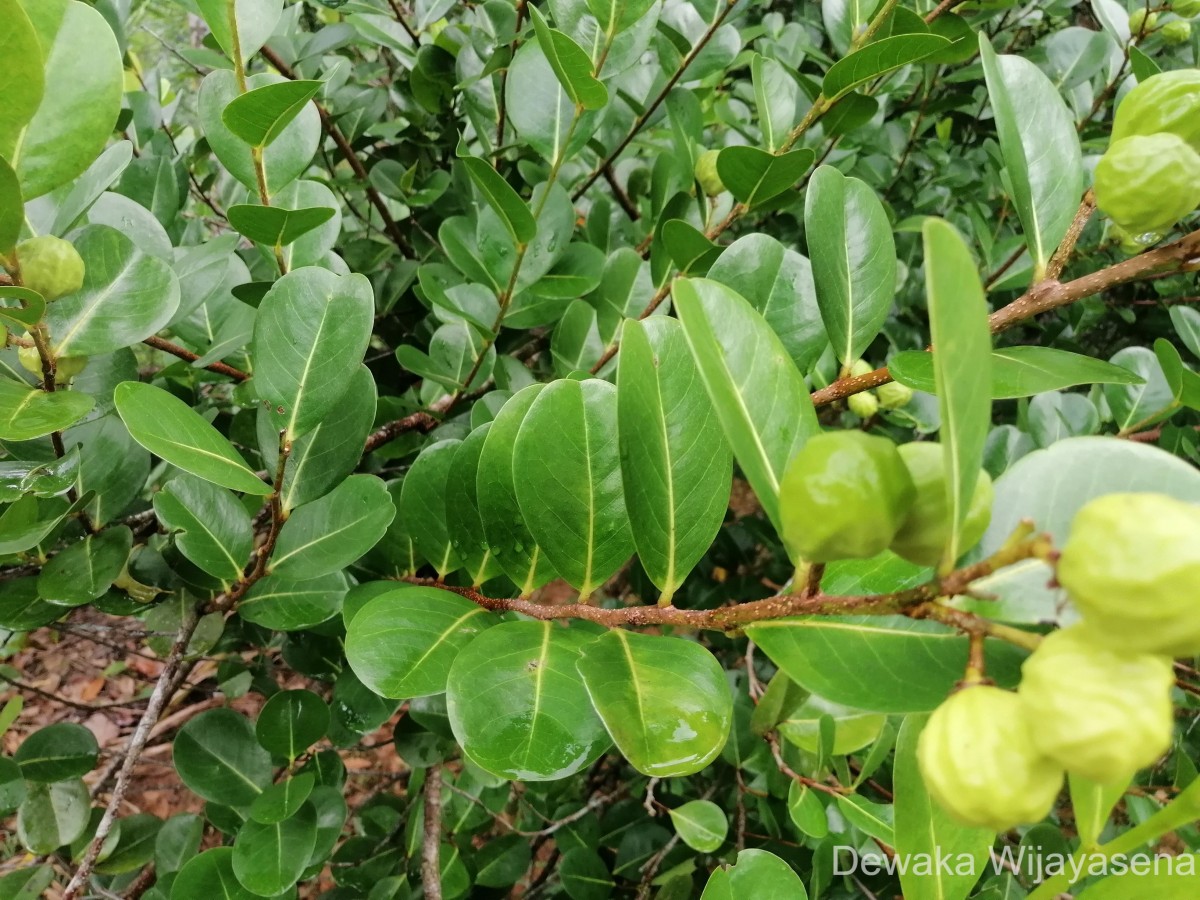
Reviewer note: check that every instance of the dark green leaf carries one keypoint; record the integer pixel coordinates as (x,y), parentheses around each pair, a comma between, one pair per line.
(85,570)
(57,752)
(878,58)
(213,529)
(291,722)
(500,196)
(275,226)
(571,64)
(217,756)
(259,116)
(27,413)
(53,815)
(755,176)
(330,533)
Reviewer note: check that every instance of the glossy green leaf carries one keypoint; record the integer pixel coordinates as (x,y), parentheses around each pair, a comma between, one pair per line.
(664,700)
(135,846)
(506,534)
(172,430)
(12,209)
(958,323)
(689,248)
(540,108)
(423,500)
(217,757)
(330,533)
(402,644)
(53,815)
(27,413)
(269,859)
(259,116)
(291,722)
(501,197)
(22,84)
(879,663)
(1135,407)
(283,603)
(12,785)
(757,873)
(518,705)
(755,176)
(1018,371)
(759,396)
(79,106)
(210,876)
(571,64)
(20,308)
(617,15)
(584,875)
(178,841)
(1040,149)
(276,226)
(1165,883)
(676,465)
(463,523)
(853,258)
(85,570)
(127,295)
(244,24)
(701,824)
(775,95)
(567,473)
(878,58)
(213,529)
(1187,325)
(282,800)
(310,335)
(57,752)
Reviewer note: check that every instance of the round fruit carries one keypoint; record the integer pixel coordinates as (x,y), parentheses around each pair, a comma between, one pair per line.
(30,360)
(863,404)
(50,266)
(893,395)
(67,367)
(1148,183)
(1176,32)
(861,367)
(707,174)
(1186,8)
(1167,102)
(1095,711)
(923,536)
(979,762)
(1132,566)
(1142,22)
(843,497)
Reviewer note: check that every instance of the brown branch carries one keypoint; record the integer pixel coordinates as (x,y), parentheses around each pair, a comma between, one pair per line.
(431,842)
(620,195)
(942,7)
(399,14)
(502,103)
(183,353)
(1066,247)
(418,421)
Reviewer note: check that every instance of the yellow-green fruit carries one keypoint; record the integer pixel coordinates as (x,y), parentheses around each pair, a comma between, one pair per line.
(893,395)
(50,266)
(1186,8)
(1147,184)
(1141,22)
(923,535)
(30,360)
(67,367)
(1167,102)
(1132,566)
(1176,32)
(707,175)
(863,404)
(1095,711)
(980,765)
(861,367)
(843,496)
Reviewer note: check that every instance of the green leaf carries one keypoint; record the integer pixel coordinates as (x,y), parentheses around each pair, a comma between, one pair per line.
(757,873)
(755,176)
(1040,148)
(923,827)
(584,875)
(1017,371)
(172,430)
(282,800)
(217,757)
(886,664)
(27,413)
(958,323)
(20,307)
(676,466)
(310,335)
(1169,883)
(505,532)
(57,752)
(540,108)
(689,248)
(85,570)
(1136,406)
(12,208)
(291,722)
(275,226)
(518,705)
(615,16)
(282,603)
(1092,804)
(209,876)
(127,295)
(775,94)
(664,700)
(401,645)
(259,116)
(760,397)
(500,196)
(27,883)
(251,20)
(878,58)
(328,534)
(79,105)
(463,523)
(178,841)
(572,66)
(22,85)
(269,859)
(213,529)
(567,474)
(701,824)
(423,500)
(53,815)
(853,257)
(135,845)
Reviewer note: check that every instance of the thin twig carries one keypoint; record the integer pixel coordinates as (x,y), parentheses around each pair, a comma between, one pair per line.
(183,353)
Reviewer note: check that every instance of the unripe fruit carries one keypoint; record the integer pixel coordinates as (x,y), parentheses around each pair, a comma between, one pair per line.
(923,535)
(980,765)
(1176,32)
(843,496)
(893,395)
(1147,184)
(1097,712)
(30,360)
(1166,102)
(1141,22)
(707,174)
(861,367)
(1132,567)
(67,367)
(50,266)
(863,404)
(1186,8)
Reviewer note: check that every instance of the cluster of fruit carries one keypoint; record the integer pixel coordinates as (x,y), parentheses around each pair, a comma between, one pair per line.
(1177,31)
(891,395)
(52,268)
(1149,178)
(852,495)
(1095,698)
